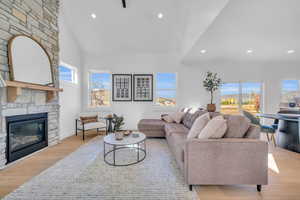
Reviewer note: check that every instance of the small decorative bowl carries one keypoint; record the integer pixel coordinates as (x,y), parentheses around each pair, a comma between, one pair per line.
(127,133)
(119,136)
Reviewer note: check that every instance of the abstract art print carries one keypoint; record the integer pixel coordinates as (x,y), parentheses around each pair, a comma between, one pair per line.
(143,87)
(122,87)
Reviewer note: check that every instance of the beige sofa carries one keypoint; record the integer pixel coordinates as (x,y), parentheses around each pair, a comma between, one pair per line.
(226,161)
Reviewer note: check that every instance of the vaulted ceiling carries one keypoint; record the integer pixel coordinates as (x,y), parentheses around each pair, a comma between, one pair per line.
(225,29)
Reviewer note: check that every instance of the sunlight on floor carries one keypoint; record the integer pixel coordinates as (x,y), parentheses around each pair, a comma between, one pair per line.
(272,163)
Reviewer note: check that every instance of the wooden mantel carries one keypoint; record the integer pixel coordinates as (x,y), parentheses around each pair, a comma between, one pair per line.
(14,89)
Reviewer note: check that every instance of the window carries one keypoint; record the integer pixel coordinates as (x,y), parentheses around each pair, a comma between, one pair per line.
(230,98)
(99,89)
(251,97)
(166,84)
(241,96)
(67,73)
(289,90)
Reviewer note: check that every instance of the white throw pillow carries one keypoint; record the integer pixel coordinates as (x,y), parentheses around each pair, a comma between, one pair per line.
(215,128)
(198,125)
(168,119)
(177,116)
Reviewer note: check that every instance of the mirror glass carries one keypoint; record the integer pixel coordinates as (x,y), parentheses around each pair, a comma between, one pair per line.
(29,62)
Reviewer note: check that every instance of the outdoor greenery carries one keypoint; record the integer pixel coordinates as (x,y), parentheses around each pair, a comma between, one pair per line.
(212,83)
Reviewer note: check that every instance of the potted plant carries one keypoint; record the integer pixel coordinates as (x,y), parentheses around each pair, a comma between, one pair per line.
(118,122)
(211,83)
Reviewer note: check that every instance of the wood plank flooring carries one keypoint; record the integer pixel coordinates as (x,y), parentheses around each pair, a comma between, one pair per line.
(284,174)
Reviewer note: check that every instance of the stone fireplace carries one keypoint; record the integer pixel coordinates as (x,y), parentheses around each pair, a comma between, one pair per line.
(25,135)
(39,19)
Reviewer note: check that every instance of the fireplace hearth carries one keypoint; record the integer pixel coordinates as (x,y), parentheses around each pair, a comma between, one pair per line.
(26,134)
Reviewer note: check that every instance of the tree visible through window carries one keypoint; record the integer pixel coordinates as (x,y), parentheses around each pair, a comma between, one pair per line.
(251,97)
(241,96)
(166,89)
(100,84)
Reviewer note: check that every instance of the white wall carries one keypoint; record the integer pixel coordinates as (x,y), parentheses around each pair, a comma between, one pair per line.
(132,111)
(190,91)
(269,73)
(70,98)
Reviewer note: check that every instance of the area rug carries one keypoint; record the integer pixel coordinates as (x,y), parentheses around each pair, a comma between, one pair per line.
(84,175)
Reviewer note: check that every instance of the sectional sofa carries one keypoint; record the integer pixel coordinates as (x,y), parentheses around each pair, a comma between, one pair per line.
(238,158)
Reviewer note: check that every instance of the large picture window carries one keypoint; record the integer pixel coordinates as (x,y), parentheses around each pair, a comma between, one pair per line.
(241,96)
(166,85)
(289,90)
(230,98)
(99,89)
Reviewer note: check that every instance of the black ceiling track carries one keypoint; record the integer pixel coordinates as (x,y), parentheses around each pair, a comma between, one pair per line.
(124,3)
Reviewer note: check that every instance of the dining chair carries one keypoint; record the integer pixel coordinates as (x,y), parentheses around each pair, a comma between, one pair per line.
(264,128)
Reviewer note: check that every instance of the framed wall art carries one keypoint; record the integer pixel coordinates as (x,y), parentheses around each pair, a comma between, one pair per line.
(143,87)
(122,87)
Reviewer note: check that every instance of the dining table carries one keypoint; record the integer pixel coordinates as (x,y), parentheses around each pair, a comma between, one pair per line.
(288,132)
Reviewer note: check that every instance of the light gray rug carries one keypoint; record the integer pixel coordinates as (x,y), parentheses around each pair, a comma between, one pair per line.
(84,175)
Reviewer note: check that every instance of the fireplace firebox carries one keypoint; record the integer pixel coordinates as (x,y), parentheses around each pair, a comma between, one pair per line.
(26,134)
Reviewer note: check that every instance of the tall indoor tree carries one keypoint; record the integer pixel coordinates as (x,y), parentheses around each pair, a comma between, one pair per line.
(211,83)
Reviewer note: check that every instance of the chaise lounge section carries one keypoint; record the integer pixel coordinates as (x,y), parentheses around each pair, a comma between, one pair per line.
(226,161)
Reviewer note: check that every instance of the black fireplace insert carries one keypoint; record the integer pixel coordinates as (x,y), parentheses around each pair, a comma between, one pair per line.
(26,134)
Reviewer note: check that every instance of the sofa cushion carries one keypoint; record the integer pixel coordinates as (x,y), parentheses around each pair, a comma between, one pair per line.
(171,128)
(151,124)
(167,118)
(198,125)
(237,126)
(189,118)
(214,129)
(214,114)
(177,116)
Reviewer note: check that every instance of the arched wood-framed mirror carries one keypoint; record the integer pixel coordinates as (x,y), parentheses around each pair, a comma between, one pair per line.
(29,61)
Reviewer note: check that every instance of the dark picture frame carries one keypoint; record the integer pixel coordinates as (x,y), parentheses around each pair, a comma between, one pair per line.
(143,87)
(121,88)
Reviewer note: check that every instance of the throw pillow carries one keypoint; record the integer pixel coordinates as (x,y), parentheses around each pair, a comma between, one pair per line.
(191,116)
(167,118)
(237,126)
(89,119)
(177,116)
(198,125)
(215,128)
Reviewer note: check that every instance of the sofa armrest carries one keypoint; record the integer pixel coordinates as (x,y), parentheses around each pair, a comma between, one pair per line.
(226,161)
(253,132)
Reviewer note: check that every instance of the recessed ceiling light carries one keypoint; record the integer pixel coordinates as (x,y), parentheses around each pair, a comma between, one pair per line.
(93,15)
(291,51)
(160,15)
(249,51)
(203,51)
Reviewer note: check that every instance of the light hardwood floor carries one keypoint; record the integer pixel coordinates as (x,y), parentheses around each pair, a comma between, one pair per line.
(284,174)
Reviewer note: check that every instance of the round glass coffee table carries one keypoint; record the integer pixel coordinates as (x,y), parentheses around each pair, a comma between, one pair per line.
(137,144)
